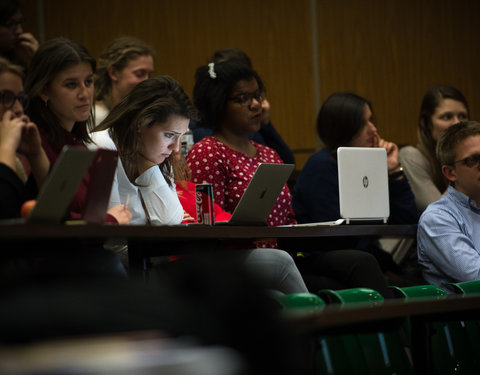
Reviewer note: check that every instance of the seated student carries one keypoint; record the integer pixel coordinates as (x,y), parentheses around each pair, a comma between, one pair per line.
(345,119)
(442,106)
(267,135)
(449,229)
(229,96)
(146,128)
(60,86)
(17,133)
(15,45)
(122,65)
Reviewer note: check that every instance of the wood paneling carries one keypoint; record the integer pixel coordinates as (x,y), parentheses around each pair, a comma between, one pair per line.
(392,51)
(389,51)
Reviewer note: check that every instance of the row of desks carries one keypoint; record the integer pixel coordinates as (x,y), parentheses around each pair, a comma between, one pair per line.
(148,241)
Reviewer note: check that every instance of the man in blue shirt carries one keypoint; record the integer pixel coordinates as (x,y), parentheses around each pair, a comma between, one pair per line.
(449,229)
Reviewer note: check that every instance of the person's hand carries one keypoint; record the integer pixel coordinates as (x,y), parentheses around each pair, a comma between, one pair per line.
(121,213)
(28,45)
(265,112)
(187,218)
(392,154)
(11,128)
(31,143)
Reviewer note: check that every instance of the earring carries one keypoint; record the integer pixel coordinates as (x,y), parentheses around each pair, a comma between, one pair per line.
(46,102)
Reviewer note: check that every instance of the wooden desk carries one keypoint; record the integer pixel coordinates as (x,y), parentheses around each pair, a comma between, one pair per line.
(143,241)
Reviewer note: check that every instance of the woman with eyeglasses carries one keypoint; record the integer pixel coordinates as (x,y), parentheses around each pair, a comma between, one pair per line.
(229,98)
(267,135)
(18,136)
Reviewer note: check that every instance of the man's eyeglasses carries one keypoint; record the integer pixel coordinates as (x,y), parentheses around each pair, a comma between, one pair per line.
(246,99)
(8,99)
(470,161)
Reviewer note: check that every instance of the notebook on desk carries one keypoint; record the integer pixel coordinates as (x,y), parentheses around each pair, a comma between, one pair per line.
(363,184)
(64,179)
(261,194)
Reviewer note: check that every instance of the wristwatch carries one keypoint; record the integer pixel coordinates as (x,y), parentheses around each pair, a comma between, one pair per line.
(396,175)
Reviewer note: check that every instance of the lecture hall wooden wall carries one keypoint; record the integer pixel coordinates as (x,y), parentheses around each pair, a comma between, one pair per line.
(389,51)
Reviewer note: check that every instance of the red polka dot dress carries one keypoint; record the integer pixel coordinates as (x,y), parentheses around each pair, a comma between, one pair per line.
(230,171)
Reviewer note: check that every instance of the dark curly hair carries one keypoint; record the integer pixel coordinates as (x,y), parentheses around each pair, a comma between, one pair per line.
(210,94)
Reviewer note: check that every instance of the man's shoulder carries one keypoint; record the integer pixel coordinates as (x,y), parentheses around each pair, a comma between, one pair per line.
(443,209)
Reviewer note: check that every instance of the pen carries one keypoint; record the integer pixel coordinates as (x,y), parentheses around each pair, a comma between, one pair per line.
(125,204)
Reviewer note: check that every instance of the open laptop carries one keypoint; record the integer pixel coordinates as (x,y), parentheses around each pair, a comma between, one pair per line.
(64,179)
(61,184)
(363,187)
(261,194)
(102,171)
(363,184)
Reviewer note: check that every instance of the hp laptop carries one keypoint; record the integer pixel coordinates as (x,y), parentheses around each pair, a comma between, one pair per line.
(261,194)
(363,184)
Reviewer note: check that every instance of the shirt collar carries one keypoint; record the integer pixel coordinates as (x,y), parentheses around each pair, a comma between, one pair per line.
(461,198)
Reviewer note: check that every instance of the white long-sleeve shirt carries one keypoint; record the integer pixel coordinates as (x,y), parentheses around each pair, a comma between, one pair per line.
(161,201)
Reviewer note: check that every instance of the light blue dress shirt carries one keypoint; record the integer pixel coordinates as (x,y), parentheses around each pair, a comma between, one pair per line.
(448,240)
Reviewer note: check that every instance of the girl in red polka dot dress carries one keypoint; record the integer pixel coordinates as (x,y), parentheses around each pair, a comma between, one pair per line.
(228,159)
(229,98)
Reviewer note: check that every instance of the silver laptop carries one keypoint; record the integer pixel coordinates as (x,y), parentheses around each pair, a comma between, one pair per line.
(363,184)
(61,185)
(261,194)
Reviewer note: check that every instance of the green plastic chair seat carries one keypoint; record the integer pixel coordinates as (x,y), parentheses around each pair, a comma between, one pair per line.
(467,288)
(301,303)
(368,353)
(451,350)
(346,297)
(419,292)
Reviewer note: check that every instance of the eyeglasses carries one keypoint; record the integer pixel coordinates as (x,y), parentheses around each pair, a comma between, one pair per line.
(470,161)
(8,99)
(12,24)
(247,98)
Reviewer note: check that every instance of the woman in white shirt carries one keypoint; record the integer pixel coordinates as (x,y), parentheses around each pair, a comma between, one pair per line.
(146,128)
(122,65)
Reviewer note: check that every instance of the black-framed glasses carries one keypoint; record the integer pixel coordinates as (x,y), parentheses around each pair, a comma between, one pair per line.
(246,99)
(470,161)
(8,99)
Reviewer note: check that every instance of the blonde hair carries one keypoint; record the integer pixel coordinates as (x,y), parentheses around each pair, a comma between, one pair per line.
(426,144)
(117,55)
(7,66)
